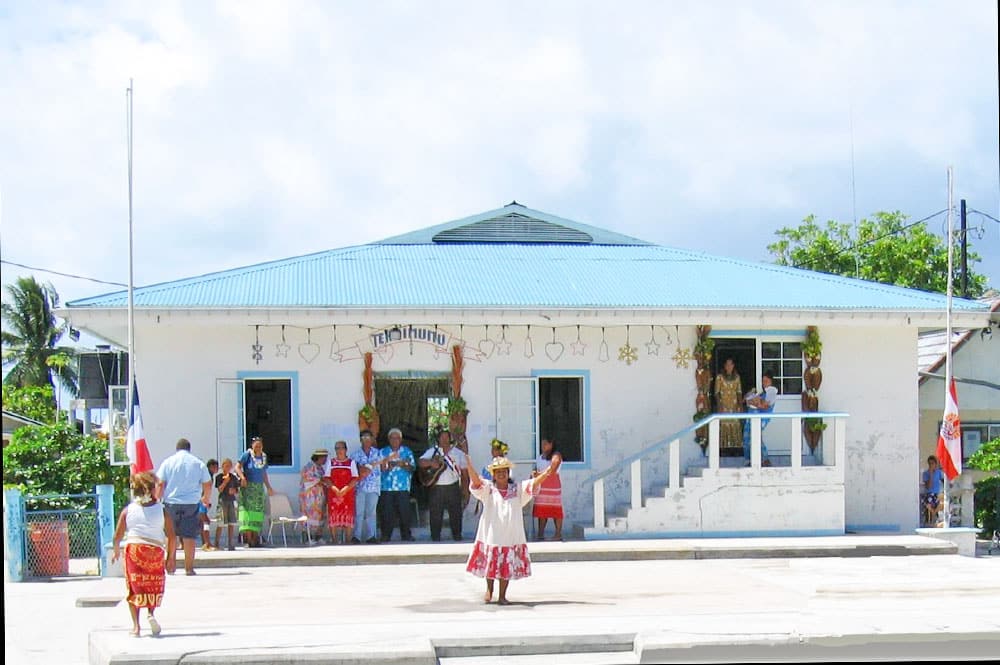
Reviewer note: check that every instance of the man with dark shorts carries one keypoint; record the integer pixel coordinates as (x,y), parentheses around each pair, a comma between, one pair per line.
(184,482)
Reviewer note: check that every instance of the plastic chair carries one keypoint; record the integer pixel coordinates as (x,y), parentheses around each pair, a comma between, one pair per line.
(282,515)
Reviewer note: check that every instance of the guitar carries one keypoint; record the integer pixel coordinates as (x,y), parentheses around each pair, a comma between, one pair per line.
(428,476)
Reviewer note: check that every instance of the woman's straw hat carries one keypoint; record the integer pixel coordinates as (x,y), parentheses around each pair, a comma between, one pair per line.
(500,463)
(321,452)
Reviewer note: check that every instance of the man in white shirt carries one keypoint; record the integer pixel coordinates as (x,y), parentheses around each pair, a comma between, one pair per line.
(761,402)
(446,493)
(184,481)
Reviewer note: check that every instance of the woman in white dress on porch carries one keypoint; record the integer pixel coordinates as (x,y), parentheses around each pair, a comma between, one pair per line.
(501,550)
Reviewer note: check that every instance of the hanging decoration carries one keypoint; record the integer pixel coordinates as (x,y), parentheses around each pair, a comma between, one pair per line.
(669,339)
(283,348)
(458,414)
(258,354)
(308,350)
(703,383)
(602,355)
(682,357)
(438,349)
(368,417)
(578,347)
(487,345)
(628,353)
(652,348)
(335,353)
(554,349)
(529,352)
(503,346)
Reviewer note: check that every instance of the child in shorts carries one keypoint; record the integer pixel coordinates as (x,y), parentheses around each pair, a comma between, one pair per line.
(203,518)
(228,484)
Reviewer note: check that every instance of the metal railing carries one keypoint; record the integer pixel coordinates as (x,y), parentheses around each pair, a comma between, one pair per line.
(834,457)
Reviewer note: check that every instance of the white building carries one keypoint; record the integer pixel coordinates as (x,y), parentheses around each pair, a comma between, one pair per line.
(565,329)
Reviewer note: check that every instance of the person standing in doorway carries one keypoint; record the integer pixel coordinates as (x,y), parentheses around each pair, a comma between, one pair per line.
(446,493)
(184,483)
(729,399)
(394,502)
(762,402)
(548,501)
(252,470)
(368,489)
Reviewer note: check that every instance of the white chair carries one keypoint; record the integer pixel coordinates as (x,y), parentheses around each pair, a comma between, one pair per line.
(282,515)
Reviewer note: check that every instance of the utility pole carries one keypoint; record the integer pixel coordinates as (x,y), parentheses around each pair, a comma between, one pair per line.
(965,254)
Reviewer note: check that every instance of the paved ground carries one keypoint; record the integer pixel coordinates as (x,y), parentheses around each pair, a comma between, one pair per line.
(723,609)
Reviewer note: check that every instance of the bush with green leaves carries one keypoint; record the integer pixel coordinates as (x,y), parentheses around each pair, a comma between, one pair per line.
(987,490)
(35,402)
(56,459)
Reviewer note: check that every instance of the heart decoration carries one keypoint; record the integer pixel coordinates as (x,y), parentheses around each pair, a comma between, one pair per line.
(385,353)
(487,347)
(309,351)
(554,350)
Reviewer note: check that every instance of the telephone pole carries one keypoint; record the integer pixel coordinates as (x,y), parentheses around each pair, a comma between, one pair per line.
(965,254)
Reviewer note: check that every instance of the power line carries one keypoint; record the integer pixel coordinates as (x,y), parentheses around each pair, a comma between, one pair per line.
(871,240)
(63,274)
(980,212)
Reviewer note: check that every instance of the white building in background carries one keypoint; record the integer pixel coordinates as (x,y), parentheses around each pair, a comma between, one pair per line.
(565,330)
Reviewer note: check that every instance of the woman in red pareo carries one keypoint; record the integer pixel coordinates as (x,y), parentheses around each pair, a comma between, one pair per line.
(150,552)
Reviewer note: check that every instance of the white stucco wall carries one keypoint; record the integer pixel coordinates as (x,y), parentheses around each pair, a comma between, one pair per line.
(868,372)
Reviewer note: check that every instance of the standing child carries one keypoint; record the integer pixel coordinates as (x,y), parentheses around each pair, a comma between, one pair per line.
(203,518)
(149,549)
(228,484)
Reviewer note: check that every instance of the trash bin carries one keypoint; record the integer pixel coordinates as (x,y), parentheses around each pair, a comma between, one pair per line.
(49,548)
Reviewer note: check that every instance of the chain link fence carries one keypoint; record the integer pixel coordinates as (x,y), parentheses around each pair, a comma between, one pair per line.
(61,536)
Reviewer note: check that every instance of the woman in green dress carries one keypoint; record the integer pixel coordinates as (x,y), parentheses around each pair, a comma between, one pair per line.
(252,470)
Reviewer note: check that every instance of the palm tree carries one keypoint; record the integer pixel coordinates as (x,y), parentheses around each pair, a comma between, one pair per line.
(30,334)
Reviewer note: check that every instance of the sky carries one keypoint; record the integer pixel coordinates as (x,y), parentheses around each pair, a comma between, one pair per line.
(265,130)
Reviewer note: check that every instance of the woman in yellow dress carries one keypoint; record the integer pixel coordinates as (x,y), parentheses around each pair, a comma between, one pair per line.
(729,399)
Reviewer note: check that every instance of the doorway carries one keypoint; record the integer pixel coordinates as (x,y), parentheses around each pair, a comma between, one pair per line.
(744,355)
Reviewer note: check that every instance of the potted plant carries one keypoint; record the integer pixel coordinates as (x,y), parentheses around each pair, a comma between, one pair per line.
(457,416)
(813,430)
(812,347)
(704,348)
(368,418)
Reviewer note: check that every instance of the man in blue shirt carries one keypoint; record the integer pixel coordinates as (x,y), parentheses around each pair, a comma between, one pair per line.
(184,482)
(394,502)
(369,461)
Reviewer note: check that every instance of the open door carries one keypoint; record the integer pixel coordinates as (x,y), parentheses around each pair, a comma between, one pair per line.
(230,419)
(517,417)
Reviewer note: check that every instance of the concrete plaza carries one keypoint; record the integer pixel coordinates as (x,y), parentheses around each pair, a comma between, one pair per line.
(855,597)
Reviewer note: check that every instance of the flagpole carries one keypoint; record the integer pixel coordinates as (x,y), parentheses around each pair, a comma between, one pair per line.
(948,347)
(131,285)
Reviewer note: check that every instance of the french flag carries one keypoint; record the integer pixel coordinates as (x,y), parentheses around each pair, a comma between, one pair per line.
(949,445)
(135,444)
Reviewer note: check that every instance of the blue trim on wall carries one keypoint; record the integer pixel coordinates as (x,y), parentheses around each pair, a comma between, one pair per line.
(585,375)
(858,528)
(294,377)
(758,333)
(792,533)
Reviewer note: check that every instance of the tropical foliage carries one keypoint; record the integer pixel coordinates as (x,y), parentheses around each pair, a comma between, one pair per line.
(30,336)
(882,249)
(35,402)
(987,495)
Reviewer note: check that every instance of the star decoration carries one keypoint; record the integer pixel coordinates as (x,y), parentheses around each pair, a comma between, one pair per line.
(503,347)
(628,353)
(578,347)
(682,357)
(652,348)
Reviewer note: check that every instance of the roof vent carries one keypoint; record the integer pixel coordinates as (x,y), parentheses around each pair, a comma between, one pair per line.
(514,228)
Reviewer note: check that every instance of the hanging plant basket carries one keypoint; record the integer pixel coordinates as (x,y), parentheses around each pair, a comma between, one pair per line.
(368,418)
(813,377)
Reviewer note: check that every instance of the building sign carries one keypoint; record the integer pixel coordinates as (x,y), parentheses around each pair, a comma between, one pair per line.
(409,334)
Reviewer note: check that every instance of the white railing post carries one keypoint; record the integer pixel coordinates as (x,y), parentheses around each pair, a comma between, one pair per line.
(755,441)
(797,443)
(713,444)
(599,504)
(675,464)
(840,443)
(637,484)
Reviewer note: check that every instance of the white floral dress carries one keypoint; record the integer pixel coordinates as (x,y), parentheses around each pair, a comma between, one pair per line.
(501,550)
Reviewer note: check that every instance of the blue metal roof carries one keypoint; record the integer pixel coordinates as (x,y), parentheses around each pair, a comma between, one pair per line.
(516,275)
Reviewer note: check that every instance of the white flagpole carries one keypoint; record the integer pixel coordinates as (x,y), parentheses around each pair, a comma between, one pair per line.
(131,286)
(947,362)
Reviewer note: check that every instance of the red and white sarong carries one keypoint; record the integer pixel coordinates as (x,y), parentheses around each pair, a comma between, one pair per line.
(548,499)
(504,562)
(145,574)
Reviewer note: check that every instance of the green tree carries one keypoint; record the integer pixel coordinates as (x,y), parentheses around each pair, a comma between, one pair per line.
(56,459)
(31,332)
(885,249)
(35,402)
(987,496)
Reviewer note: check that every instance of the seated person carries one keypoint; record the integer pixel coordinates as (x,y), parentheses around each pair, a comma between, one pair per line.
(932,484)
(756,403)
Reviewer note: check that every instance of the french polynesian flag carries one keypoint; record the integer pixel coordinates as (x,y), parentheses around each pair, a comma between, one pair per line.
(135,444)
(949,445)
